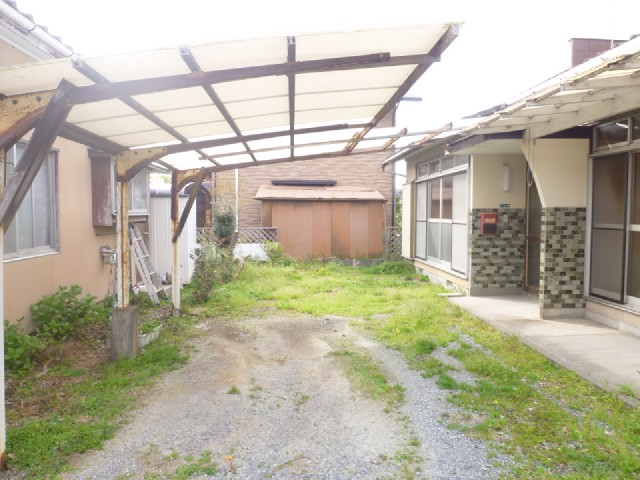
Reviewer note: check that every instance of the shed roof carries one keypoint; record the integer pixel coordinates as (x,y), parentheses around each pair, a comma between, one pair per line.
(337,193)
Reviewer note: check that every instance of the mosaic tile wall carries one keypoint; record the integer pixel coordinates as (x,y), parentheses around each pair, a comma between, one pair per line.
(498,261)
(562,258)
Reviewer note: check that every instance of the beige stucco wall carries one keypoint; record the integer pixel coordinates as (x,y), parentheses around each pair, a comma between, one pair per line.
(486,181)
(79,260)
(10,55)
(560,169)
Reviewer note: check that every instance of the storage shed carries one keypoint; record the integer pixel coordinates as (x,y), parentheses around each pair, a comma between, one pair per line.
(325,221)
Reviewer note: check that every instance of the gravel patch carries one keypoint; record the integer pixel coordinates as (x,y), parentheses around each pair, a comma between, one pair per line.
(267,400)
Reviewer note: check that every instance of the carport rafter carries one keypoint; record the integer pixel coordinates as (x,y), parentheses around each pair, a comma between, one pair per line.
(291,80)
(95,76)
(193,65)
(45,132)
(100,92)
(441,45)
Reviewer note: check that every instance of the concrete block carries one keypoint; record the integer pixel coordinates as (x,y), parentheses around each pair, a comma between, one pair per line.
(124,333)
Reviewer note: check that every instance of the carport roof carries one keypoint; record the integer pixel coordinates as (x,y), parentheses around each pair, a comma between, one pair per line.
(239,103)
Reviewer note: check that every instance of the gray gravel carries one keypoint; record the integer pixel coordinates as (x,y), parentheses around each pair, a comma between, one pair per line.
(295,416)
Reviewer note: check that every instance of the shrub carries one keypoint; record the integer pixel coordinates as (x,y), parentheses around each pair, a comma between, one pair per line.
(58,316)
(275,254)
(19,348)
(212,265)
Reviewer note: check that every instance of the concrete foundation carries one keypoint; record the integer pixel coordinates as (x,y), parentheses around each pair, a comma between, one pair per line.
(124,333)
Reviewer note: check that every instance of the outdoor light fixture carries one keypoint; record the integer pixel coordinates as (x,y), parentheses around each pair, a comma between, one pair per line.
(506,177)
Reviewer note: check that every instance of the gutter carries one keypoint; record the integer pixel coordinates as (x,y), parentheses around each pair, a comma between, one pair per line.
(34,29)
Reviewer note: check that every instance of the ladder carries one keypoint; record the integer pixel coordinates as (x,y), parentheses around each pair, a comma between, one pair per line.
(145,265)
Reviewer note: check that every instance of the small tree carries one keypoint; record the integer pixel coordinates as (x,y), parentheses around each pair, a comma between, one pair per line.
(224,213)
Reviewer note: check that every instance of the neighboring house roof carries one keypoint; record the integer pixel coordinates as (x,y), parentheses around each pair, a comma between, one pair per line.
(272,192)
(20,30)
(600,88)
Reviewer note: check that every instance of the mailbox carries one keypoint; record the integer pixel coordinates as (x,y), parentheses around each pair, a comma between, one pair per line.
(488,223)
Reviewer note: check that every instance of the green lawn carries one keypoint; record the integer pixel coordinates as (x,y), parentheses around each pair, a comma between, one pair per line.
(555,423)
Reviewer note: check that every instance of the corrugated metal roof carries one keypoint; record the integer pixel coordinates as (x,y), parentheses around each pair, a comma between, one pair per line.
(356,78)
(603,87)
(337,193)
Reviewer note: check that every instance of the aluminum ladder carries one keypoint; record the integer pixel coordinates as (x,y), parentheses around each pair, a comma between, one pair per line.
(145,266)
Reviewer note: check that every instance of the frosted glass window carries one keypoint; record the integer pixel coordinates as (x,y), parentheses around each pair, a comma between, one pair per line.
(139,193)
(612,133)
(434,239)
(421,201)
(607,263)
(34,227)
(633,283)
(445,242)
(459,201)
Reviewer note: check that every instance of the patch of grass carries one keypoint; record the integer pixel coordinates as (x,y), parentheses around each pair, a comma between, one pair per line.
(233,390)
(84,413)
(200,466)
(556,423)
(367,377)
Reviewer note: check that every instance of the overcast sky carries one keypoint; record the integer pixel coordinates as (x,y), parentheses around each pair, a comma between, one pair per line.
(504,46)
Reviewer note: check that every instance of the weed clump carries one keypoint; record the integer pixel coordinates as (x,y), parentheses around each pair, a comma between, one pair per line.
(392,267)
(58,316)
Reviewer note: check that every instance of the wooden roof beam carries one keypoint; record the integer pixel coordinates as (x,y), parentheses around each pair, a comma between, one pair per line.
(441,45)
(191,62)
(95,76)
(19,114)
(96,93)
(291,77)
(395,138)
(44,134)
(218,142)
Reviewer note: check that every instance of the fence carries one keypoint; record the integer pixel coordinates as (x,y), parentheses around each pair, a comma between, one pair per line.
(257,235)
(394,241)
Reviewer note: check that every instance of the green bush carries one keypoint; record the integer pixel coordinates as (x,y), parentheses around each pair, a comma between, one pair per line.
(212,265)
(224,224)
(57,316)
(275,254)
(19,348)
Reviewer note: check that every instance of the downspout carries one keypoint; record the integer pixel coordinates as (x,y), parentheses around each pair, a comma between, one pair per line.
(33,29)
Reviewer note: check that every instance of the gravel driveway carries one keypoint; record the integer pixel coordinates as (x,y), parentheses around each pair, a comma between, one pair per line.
(266,399)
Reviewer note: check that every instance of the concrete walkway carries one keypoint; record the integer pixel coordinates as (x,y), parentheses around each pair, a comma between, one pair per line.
(603,355)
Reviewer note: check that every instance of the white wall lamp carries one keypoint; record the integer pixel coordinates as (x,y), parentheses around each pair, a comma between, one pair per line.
(506,177)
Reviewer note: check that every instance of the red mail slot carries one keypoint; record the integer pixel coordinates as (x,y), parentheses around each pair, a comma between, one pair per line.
(488,223)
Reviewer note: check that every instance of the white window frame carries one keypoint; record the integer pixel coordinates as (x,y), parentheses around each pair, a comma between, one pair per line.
(460,166)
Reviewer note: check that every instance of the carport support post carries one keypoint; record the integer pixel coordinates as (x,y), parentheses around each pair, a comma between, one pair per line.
(124,322)
(3,427)
(175,273)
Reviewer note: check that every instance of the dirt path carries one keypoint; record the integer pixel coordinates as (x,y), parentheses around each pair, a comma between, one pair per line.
(293,413)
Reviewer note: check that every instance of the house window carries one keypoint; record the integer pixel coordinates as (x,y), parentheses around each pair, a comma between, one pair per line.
(34,229)
(139,194)
(615,216)
(441,213)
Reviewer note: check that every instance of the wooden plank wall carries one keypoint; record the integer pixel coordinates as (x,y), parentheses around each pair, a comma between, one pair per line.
(316,229)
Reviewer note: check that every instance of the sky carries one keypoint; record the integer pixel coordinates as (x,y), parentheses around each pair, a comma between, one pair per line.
(504,47)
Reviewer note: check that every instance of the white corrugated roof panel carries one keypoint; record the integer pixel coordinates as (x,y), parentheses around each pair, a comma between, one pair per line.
(397,41)
(171,98)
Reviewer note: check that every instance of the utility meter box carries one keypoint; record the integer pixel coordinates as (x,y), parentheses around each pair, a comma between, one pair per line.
(488,224)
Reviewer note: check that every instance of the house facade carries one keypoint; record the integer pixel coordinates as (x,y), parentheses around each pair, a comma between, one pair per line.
(540,197)
(64,224)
